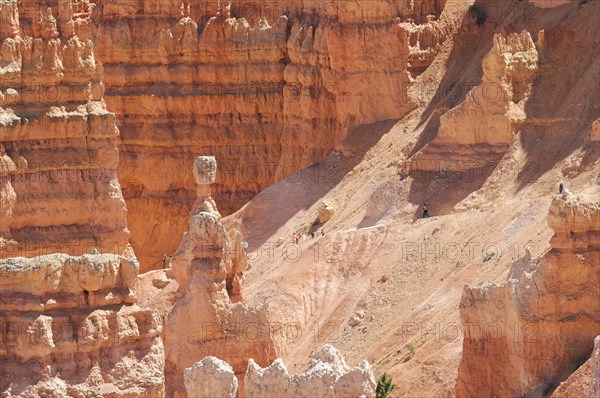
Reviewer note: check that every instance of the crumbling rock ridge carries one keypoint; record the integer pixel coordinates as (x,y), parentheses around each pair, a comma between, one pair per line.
(328,377)
(69,326)
(58,143)
(210,317)
(278,83)
(526,335)
(211,377)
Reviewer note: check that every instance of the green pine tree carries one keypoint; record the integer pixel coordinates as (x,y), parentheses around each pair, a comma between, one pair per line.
(385,386)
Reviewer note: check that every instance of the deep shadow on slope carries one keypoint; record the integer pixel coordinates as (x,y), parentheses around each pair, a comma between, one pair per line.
(264,215)
(446,188)
(566,96)
(463,72)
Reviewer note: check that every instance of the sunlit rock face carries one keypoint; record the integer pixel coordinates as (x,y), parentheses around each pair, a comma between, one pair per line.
(59,191)
(69,326)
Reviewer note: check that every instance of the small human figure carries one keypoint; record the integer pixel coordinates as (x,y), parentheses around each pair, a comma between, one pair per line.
(164,261)
(312,234)
(561,187)
(425,210)
(95,251)
(171,262)
(245,246)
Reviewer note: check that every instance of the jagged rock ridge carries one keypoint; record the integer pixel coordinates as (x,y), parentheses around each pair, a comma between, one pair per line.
(328,376)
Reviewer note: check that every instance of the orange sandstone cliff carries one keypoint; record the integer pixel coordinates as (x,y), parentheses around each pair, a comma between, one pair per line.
(70,327)
(58,142)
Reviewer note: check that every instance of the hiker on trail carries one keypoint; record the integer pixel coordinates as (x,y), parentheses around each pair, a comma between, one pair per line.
(95,251)
(425,210)
(171,262)
(561,187)
(164,261)
(245,246)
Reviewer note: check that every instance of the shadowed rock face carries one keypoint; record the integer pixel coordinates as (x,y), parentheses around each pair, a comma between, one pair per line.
(585,381)
(528,333)
(479,130)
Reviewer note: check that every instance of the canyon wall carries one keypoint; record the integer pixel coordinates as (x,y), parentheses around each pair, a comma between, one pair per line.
(210,317)
(277,84)
(59,190)
(525,335)
(69,326)
(69,323)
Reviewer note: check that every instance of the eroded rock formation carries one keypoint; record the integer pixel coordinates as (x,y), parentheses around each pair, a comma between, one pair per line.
(526,334)
(58,142)
(210,318)
(69,326)
(328,376)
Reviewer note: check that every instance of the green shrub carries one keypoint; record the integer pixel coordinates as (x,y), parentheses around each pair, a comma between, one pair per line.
(385,386)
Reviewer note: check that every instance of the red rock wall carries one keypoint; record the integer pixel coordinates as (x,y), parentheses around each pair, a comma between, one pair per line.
(59,190)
